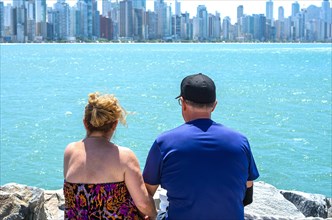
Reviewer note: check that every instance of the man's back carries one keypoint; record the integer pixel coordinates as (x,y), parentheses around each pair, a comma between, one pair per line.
(204,167)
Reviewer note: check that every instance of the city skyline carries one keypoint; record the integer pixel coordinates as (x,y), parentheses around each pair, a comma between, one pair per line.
(224,7)
(134,20)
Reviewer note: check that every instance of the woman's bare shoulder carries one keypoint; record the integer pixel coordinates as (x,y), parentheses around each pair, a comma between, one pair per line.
(127,154)
(125,150)
(71,147)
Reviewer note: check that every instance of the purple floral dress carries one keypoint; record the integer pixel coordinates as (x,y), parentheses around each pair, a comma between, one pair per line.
(99,201)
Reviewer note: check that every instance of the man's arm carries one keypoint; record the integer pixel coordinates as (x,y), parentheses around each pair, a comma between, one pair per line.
(249,193)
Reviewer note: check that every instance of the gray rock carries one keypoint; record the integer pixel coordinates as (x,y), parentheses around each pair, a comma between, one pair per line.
(54,204)
(269,204)
(10,207)
(329,204)
(21,202)
(311,205)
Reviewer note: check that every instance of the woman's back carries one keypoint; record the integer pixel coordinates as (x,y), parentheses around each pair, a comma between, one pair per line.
(94,181)
(95,160)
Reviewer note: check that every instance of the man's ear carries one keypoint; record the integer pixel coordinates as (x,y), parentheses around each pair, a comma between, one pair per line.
(184,104)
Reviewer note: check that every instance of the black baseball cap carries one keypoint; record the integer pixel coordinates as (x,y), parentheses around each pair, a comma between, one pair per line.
(198,88)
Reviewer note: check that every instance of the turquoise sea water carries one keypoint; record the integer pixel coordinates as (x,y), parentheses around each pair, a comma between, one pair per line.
(279,95)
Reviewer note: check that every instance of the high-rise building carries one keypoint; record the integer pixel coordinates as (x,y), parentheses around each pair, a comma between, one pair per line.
(138,25)
(139,4)
(7,14)
(30,20)
(239,13)
(280,36)
(176,27)
(40,17)
(106,28)
(239,25)
(19,22)
(63,13)
(248,27)
(73,24)
(90,15)
(177,8)
(160,8)
(126,19)
(114,14)
(82,20)
(326,20)
(326,12)
(168,23)
(281,13)
(18,3)
(2,21)
(259,27)
(214,27)
(299,26)
(40,10)
(202,16)
(295,8)
(106,8)
(269,10)
(151,20)
(186,27)
(95,20)
(226,28)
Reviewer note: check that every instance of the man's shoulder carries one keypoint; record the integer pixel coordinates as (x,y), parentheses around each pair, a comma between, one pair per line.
(231,130)
(172,132)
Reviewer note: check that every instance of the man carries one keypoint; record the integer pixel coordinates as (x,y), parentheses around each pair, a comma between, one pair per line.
(206,168)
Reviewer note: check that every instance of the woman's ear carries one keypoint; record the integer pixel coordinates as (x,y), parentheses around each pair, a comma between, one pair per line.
(115,124)
(85,124)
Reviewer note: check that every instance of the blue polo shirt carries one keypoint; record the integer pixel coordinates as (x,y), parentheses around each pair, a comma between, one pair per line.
(204,166)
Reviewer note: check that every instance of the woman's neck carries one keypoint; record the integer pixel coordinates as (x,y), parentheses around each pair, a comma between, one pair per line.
(98,134)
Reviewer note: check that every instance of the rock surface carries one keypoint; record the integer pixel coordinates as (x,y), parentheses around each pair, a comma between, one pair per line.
(268,203)
(54,204)
(21,202)
(309,204)
(32,203)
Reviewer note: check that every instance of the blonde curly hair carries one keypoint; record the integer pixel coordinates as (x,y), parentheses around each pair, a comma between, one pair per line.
(102,111)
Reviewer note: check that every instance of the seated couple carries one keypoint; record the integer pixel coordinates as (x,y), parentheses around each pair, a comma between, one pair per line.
(207,168)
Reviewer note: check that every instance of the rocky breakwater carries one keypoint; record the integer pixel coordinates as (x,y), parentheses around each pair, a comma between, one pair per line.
(25,202)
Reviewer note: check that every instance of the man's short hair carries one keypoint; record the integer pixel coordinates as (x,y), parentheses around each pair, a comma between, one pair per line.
(199,105)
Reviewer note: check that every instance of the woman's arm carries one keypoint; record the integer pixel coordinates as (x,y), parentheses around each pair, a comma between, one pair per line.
(66,158)
(135,184)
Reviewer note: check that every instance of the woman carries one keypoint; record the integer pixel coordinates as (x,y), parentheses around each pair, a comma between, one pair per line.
(103,180)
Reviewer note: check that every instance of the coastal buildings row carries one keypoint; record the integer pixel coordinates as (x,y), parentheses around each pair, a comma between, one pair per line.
(128,20)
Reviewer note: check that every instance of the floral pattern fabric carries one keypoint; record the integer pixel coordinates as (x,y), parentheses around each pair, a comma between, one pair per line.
(99,201)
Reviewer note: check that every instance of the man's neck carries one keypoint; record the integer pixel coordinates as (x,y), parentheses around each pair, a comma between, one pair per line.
(198,115)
